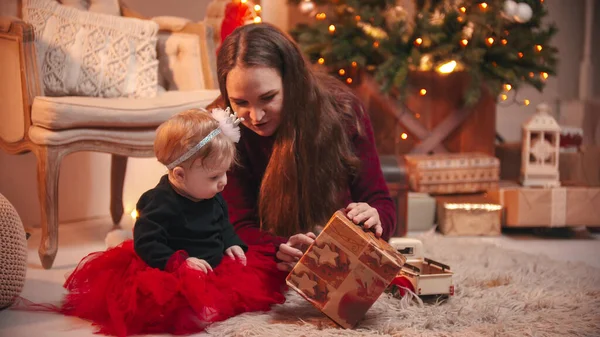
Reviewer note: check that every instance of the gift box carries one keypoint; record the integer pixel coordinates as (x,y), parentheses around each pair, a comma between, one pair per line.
(345,270)
(420,211)
(451,173)
(549,207)
(468,215)
(581,168)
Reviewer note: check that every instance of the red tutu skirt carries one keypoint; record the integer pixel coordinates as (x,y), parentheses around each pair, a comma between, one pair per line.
(122,295)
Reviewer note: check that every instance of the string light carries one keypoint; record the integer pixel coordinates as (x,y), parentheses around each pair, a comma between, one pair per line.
(331,28)
(507,87)
(545,75)
(483,6)
(403,135)
(463,9)
(504,97)
(422,92)
(342,72)
(354,64)
(135,214)
(321,16)
(321,60)
(504,42)
(257,8)
(526,102)
(349,80)
(257,19)
(531,74)
(538,47)
(418,41)
(417,115)
(357,18)
(464,42)
(244,1)
(447,67)
(490,41)
(520,55)
(376,44)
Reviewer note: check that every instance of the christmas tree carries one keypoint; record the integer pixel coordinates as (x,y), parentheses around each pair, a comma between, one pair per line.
(501,44)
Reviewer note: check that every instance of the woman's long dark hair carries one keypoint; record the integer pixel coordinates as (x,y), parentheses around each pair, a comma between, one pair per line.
(312,156)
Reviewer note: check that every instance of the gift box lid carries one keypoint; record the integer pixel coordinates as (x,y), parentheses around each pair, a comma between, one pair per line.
(452,161)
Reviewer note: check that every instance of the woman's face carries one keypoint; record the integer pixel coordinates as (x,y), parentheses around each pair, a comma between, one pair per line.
(256,94)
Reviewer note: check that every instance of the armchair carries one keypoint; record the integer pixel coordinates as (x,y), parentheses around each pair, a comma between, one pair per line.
(52,127)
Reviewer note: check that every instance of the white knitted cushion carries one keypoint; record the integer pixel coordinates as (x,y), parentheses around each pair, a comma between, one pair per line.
(88,54)
(13,253)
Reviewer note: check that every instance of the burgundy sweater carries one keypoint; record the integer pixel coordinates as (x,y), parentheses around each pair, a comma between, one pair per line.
(241,192)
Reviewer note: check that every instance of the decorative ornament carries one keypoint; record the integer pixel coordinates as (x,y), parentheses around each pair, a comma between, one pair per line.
(510,8)
(374,32)
(524,13)
(306,6)
(237,14)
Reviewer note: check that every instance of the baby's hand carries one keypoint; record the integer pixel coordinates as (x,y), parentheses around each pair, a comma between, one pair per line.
(362,212)
(236,251)
(198,264)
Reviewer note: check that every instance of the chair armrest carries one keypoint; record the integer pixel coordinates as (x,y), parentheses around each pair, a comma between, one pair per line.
(20,81)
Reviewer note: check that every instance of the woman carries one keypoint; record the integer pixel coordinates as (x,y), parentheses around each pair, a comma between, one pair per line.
(307,147)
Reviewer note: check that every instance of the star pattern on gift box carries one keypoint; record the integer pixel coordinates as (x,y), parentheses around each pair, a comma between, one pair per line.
(306,284)
(326,255)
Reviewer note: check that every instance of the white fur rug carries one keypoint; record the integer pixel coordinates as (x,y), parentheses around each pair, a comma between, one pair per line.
(499,292)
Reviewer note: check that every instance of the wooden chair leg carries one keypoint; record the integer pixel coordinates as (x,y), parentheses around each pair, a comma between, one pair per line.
(48,167)
(117,179)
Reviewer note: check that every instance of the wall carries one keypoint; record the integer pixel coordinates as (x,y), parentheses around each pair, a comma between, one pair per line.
(85,177)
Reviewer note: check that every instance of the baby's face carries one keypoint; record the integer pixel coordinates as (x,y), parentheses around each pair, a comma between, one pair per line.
(204,183)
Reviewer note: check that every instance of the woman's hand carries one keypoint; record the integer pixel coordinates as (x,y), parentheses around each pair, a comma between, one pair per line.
(289,253)
(236,252)
(363,213)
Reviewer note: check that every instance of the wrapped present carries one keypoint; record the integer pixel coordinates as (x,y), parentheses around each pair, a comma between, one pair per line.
(549,207)
(345,270)
(452,173)
(581,168)
(468,215)
(420,211)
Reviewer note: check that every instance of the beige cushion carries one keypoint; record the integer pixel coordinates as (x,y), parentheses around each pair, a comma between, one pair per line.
(138,138)
(58,113)
(87,54)
(110,7)
(180,62)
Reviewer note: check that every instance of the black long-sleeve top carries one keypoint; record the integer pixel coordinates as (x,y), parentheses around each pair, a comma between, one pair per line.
(169,222)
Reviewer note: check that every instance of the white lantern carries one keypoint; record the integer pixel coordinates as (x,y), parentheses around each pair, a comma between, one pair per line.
(541,141)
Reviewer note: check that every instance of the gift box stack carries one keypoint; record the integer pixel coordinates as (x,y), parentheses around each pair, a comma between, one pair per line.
(345,270)
(456,184)
(548,197)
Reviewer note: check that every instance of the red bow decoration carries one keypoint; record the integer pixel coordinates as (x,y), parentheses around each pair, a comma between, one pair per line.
(236,14)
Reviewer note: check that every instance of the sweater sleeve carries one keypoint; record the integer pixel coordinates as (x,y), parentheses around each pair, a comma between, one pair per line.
(369,186)
(240,194)
(150,230)
(230,238)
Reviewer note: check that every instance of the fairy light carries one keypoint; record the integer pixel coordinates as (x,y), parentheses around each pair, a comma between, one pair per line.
(423,92)
(526,102)
(244,1)
(504,97)
(507,87)
(321,16)
(403,135)
(354,64)
(331,28)
(447,67)
(376,44)
(545,75)
(531,74)
(349,80)
(417,115)
(342,72)
(321,60)
(257,19)
(520,55)
(483,6)
(135,214)
(463,9)
(464,42)
(504,41)
(490,40)
(357,18)
(538,48)
(460,19)
(257,8)
(418,41)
